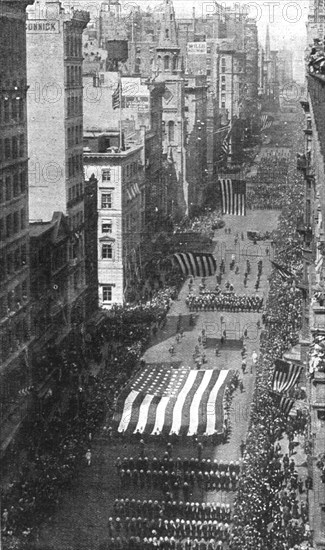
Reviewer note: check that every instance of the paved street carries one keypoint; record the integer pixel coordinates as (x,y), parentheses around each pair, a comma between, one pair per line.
(81,520)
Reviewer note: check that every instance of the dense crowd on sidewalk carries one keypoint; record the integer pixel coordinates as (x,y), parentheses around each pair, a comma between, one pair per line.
(271,510)
(268,188)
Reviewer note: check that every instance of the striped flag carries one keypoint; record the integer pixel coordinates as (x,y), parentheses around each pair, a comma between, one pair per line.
(284,273)
(225,144)
(197,264)
(166,400)
(266,122)
(233,194)
(284,403)
(116,96)
(285,375)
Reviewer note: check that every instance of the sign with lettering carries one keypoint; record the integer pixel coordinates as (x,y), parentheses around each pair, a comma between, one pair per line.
(197,48)
(139,103)
(41,26)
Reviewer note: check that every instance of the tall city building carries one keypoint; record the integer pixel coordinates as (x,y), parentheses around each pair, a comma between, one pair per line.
(55,132)
(14,237)
(311,228)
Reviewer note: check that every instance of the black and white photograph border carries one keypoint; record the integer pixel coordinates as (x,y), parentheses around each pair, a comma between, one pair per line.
(162,314)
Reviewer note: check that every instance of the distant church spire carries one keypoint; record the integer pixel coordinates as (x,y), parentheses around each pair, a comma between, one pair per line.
(168,49)
(168,32)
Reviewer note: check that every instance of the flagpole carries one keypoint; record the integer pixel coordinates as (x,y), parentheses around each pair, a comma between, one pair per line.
(120,108)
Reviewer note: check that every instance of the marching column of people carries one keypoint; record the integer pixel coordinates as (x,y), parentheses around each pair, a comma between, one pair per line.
(171,523)
(180,476)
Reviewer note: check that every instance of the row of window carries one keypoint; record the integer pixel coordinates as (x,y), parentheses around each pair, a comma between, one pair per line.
(12,185)
(12,148)
(12,338)
(14,299)
(74,135)
(130,170)
(75,191)
(12,109)
(76,220)
(12,224)
(74,106)
(73,46)
(75,165)
(13,261)
(73,75)
(12,85)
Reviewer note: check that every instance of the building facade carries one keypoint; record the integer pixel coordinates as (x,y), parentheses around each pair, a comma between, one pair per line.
(120,210)
(55,131)
(312,162)
(14,236)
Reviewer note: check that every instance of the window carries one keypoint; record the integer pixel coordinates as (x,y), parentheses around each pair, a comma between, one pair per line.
(166,62)
(167,33)
(14,109)
(7,149)
(107,252)
(21,145)
(14,147)
(107,293)
(223,87)
(107,227)
(16,222)
(223,79)
(137,65)
(22,181)
(8,225)
(171,130)
(106,175)
(16,186)
(8,188)
(23,218)
(6,110)
(21,109)
(106,200)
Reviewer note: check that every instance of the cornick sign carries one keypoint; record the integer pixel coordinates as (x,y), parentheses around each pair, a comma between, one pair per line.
(43,26)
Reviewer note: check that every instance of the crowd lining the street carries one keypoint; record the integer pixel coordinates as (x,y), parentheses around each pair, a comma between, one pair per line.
(270,510)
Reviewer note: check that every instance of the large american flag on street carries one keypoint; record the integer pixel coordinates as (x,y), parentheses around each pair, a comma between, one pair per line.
(166,400)
(198,264)
(233,193)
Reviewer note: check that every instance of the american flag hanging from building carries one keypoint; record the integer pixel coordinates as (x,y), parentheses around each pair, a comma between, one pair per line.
(116,96)
(225,147)
(233,194)
(285,375)
(282,402)
(197,264)
(284,273)
(166,400)
(266,122)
